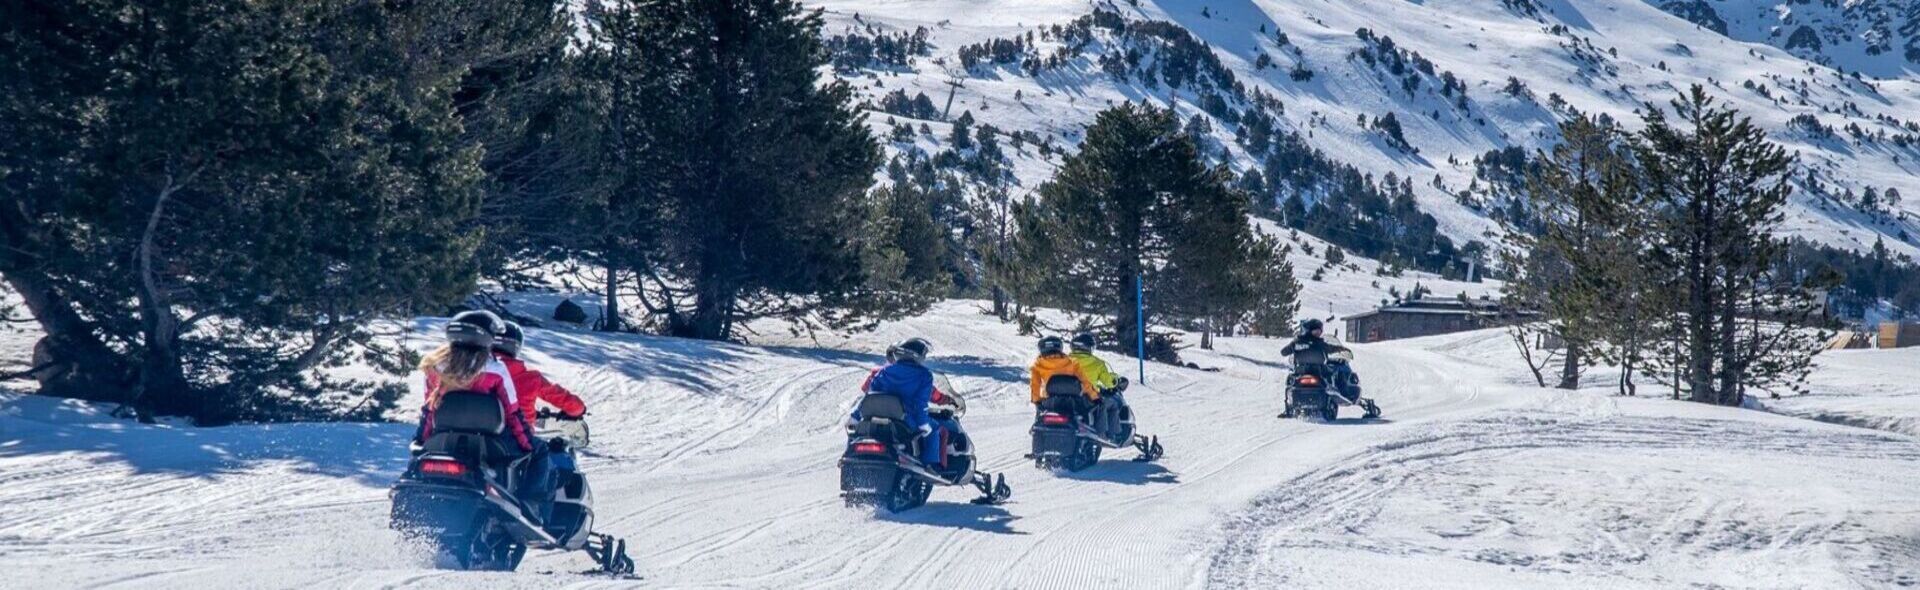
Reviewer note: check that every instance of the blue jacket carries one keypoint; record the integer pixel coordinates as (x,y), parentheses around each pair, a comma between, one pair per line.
(913,383)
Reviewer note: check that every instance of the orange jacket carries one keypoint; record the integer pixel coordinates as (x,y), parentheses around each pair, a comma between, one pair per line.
(534,387)
(1046,367)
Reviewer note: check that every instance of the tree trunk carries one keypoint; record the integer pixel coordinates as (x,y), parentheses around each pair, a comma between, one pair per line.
(712,317)
(1728,391)
(1570,368)
(610,313)
(73,362)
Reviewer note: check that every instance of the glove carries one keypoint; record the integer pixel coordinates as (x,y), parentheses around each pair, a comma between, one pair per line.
(1121,385)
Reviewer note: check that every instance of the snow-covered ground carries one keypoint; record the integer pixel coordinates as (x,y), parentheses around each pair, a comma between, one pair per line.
(716,462)
(1870,388)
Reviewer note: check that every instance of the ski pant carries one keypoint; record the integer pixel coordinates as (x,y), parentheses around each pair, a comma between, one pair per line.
(1110,412)
(536,485)
(933,450)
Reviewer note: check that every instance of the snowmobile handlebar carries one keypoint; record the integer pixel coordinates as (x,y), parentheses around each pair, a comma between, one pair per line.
(547,414)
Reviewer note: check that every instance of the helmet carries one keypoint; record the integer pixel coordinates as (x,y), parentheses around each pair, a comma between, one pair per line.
(1052,345)
(1083,342)
(1309,326)
(911,351)
(474,328)
(510,339)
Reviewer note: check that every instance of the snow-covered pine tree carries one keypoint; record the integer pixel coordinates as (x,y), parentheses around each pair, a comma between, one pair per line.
(1718,186)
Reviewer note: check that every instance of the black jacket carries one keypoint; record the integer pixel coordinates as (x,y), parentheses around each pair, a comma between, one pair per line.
(1310,342)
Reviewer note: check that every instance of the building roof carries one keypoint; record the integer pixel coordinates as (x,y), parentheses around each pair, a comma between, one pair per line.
(1446,306)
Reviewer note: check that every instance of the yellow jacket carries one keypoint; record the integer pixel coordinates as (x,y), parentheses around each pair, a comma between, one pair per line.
(1046,367)
(1096,370)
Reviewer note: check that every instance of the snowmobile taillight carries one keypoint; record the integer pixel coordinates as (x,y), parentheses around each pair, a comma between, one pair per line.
(443,467)
(1053,419)
(869,447)
(1308,381)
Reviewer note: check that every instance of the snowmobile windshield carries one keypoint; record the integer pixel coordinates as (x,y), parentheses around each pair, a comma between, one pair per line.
(574,431)
(954,399)
(1340,351)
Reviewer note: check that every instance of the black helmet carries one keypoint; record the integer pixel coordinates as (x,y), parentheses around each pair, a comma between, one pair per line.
(1309,326)
(510,339)
(1052,345)
(911,351)
(1083,342)
(474,328)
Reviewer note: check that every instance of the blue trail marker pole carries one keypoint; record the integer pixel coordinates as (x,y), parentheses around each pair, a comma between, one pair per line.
(1140,322)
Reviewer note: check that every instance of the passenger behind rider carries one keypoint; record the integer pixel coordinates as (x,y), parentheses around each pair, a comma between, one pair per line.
(533,388)
(465,364)
(1312,339)
(1053,361)
(1108,385)
(907,377)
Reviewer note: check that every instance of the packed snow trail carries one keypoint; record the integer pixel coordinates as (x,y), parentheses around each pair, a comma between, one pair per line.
(717,463)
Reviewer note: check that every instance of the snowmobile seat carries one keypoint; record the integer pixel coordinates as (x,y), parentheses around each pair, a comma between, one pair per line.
(883,415)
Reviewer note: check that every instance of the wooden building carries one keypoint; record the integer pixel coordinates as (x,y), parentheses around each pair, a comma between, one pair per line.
(1428,316)
(1899,334)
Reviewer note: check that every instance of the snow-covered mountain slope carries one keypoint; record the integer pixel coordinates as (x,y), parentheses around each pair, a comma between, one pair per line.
(717,462)
(1879,38)
(1461,77)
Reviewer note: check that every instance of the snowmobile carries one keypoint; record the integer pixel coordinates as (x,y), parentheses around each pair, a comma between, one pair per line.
(881,465)
(1064,435)
(458,494)
(1308,387)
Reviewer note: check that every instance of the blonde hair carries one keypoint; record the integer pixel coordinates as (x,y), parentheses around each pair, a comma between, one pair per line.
(456,367)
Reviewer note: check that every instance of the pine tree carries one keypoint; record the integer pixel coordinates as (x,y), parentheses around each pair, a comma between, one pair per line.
(1719,187)
(210,198)
(1582,197)
(1137,200)
(756,172)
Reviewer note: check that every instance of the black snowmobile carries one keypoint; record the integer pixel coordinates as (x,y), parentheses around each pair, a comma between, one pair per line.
(1065,436)
(459,492)
(1308,387)
(881,467)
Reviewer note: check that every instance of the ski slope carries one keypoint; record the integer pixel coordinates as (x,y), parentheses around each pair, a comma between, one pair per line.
(716,462)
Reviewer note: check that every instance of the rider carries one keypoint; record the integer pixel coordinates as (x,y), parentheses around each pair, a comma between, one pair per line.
(1053,361)
(1311,338)
(533,388)
(464,364)
(1105,382)
(907,377)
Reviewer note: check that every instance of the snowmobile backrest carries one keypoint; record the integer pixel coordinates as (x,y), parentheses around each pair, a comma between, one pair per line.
(883,416)
(1309,356)
(1063,386)
(883,405)
(467,411)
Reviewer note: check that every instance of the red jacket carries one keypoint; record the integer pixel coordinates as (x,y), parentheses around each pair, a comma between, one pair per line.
(535,387)
(493,381)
